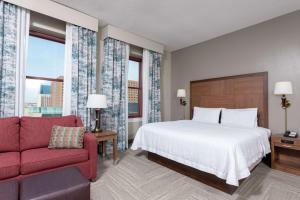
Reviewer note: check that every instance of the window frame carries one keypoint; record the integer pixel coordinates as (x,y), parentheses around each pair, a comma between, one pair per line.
(50,38)
(139,88)
(45,36)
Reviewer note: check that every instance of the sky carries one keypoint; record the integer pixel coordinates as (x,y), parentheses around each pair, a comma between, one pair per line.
(133,71)
(46,59)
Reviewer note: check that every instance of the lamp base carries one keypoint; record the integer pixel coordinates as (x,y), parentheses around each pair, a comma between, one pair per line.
(285,104)
(97,130)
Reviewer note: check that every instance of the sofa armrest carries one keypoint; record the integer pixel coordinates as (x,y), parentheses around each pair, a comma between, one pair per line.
(91,145)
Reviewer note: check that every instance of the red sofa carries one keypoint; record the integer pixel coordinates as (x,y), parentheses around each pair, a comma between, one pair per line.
(24,148)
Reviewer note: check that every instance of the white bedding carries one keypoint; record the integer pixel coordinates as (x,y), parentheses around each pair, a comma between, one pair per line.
(227,152)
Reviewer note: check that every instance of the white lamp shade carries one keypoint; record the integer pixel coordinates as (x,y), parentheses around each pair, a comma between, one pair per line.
(283,88)
(181,93)
(96,101)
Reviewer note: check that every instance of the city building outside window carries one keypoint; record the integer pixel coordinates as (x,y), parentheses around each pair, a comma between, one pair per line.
(135,87)
(44,75)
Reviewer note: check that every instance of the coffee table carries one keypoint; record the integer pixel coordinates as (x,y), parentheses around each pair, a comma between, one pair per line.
(62,184)
(9,190)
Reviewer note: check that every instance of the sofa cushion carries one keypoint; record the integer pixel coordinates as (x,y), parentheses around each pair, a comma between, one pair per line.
(35,160)
(35,132)
(9,134)
(9,164)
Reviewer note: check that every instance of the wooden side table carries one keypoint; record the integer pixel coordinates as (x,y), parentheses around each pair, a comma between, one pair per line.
(286,154)
(104,137)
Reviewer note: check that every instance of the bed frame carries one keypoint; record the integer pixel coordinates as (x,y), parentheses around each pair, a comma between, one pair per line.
(242,91)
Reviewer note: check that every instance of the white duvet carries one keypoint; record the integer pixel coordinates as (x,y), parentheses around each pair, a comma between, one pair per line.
(227,152)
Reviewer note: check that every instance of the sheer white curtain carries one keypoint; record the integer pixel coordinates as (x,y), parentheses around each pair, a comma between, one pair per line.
(126,96)
(145,71)
(80,72)
(23,20)
(67,72)
(151,86)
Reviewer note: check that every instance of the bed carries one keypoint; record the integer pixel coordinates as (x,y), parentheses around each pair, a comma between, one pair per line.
(220,156)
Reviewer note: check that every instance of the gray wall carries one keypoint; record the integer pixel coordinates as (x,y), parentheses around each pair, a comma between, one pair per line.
(272,46)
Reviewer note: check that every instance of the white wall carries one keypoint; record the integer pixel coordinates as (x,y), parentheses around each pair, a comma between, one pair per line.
(130,38)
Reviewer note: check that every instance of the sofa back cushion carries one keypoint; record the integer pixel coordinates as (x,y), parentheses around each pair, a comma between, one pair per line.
(9,134)
(36,131)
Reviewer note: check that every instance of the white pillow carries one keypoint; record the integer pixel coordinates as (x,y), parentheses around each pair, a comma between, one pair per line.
(246,118)
(207,115)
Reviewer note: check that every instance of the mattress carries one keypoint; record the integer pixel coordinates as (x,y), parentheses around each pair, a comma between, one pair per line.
(227,152)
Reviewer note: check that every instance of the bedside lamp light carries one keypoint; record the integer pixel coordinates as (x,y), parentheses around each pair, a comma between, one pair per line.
(96,101)
(181,94)
(283,89)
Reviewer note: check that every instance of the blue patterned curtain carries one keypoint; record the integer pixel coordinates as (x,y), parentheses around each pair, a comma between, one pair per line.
(154,114)
(84,46)
(114,86)
(8,54)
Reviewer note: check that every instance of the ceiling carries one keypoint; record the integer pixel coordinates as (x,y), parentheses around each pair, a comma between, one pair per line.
(181,23)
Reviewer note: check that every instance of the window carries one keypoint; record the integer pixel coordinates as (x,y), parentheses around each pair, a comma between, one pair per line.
(135,87)
(44,75)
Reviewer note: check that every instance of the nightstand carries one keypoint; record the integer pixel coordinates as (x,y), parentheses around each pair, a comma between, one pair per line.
(286,154)
(103,137)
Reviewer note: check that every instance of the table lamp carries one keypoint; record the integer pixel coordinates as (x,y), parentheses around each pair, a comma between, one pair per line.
(96,102)
(283,89)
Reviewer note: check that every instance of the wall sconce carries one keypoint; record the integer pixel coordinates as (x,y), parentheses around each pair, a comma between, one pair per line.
(181,94)
(283,89)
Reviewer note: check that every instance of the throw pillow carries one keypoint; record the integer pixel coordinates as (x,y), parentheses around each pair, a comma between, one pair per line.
(66,137)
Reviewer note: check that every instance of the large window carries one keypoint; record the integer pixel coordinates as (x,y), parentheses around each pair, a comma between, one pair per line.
(135,87)
(44,75)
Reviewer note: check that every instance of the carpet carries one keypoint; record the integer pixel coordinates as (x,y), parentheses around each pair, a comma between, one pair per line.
(137,178)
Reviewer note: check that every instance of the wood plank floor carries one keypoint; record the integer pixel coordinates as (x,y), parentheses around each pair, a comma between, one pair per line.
(137,178)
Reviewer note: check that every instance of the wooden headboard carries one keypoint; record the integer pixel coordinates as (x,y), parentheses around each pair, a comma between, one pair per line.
(242,91)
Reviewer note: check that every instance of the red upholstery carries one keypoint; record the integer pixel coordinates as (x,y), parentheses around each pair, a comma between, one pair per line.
(90,144)
(9,164)
(35,132)
(79,122)
(9,134)
(33,156)
(34,160)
